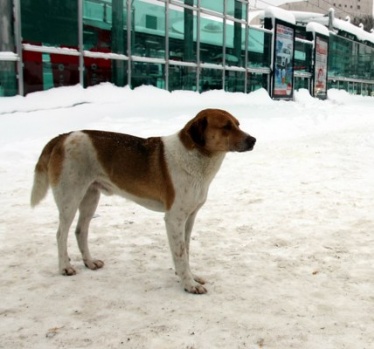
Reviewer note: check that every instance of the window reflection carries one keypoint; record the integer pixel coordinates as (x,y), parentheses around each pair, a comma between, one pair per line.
(8,80)
(211,40)
(259,48)
(257,81)
(148,74)
(53,23)
(235,44)
(182,34)
(182,78)
(149,25)
(234,81)
(303,57)
(210,79)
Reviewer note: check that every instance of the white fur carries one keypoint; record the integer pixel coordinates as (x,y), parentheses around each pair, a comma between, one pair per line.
(191,173)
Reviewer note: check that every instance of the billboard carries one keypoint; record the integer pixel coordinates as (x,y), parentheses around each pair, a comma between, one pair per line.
(283,67)
(320,67)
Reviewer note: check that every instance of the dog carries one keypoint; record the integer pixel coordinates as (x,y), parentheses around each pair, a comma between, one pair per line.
(169,174)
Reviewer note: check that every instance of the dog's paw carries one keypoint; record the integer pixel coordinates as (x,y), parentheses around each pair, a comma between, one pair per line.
(68,271)
(196,289)
(199,279)
(94,264)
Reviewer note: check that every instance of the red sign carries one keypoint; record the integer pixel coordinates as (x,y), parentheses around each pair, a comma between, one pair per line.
(65,69)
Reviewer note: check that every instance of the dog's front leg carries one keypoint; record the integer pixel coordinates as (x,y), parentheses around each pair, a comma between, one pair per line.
(175,227)
(187,238)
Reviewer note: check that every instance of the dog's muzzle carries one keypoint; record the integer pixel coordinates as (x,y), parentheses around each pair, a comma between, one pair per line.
(248,143)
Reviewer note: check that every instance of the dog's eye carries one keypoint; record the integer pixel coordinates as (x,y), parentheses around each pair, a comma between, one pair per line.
(228,126)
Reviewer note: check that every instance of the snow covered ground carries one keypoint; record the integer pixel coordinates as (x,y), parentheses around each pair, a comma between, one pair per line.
(285,240)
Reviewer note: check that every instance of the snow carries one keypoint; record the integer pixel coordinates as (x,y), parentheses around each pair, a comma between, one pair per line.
(358,32)
(285,239)
(317,28)
(276,12)
(8,56)
(50,49)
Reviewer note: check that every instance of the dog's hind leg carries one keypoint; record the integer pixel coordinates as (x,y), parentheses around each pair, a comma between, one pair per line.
(87,209)
(67,200)
(67,213)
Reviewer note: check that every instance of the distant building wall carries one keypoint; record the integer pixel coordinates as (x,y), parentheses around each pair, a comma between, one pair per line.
(343,8)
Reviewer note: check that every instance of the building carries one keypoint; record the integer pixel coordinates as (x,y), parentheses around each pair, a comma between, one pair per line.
(194,45)
(343,8)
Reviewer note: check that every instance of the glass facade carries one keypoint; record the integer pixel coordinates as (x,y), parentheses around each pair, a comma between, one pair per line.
(350,59)
(8,78)
(351,65)
(194,45)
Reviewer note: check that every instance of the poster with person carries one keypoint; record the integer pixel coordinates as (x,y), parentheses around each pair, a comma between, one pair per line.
(283,60)
(320,67)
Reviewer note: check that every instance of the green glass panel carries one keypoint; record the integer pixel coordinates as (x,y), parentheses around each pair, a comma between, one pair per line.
(235,44)
(257,81)
(105,30)
(8,79)
(182,34)
(149,24)
(303,57)
(50,22)
(259,48)
(210,79)
(187,2)
(148,74)
(105,25)
(333,84)
(340,57)
(237,9)
(182,78)
(213,5)
(301,83)
(211,39)
(234,81)
(365,62)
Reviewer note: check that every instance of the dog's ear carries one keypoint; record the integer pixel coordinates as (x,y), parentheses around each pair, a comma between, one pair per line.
(197,131)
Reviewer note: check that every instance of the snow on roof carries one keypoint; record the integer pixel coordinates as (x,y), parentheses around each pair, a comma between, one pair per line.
(306,16)
(348,27)
(275,12)
(317,22)
(317,28)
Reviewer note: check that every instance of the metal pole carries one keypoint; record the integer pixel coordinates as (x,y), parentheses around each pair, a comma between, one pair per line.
(129,28)
(18,39)
(198,13)
(7,68)
(224,45)
(246,45)
(167,46)
(80,42)
(118,46)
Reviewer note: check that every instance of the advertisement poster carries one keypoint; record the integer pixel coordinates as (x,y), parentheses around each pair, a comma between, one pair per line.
(283,61)
(320,67)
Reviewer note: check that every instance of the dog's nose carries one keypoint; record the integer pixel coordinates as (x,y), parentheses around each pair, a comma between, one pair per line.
(251,141)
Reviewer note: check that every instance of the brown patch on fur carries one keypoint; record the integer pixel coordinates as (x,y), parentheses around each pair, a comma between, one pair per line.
(56,162)
(51,158)
(215,130)
(134,164)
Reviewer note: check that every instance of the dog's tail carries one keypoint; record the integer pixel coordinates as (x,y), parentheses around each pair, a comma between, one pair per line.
(41,178)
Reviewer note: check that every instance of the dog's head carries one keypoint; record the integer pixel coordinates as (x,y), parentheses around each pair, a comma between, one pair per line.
(215,130)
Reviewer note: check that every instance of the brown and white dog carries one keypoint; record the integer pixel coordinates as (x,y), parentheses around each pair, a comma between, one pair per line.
(168,174)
